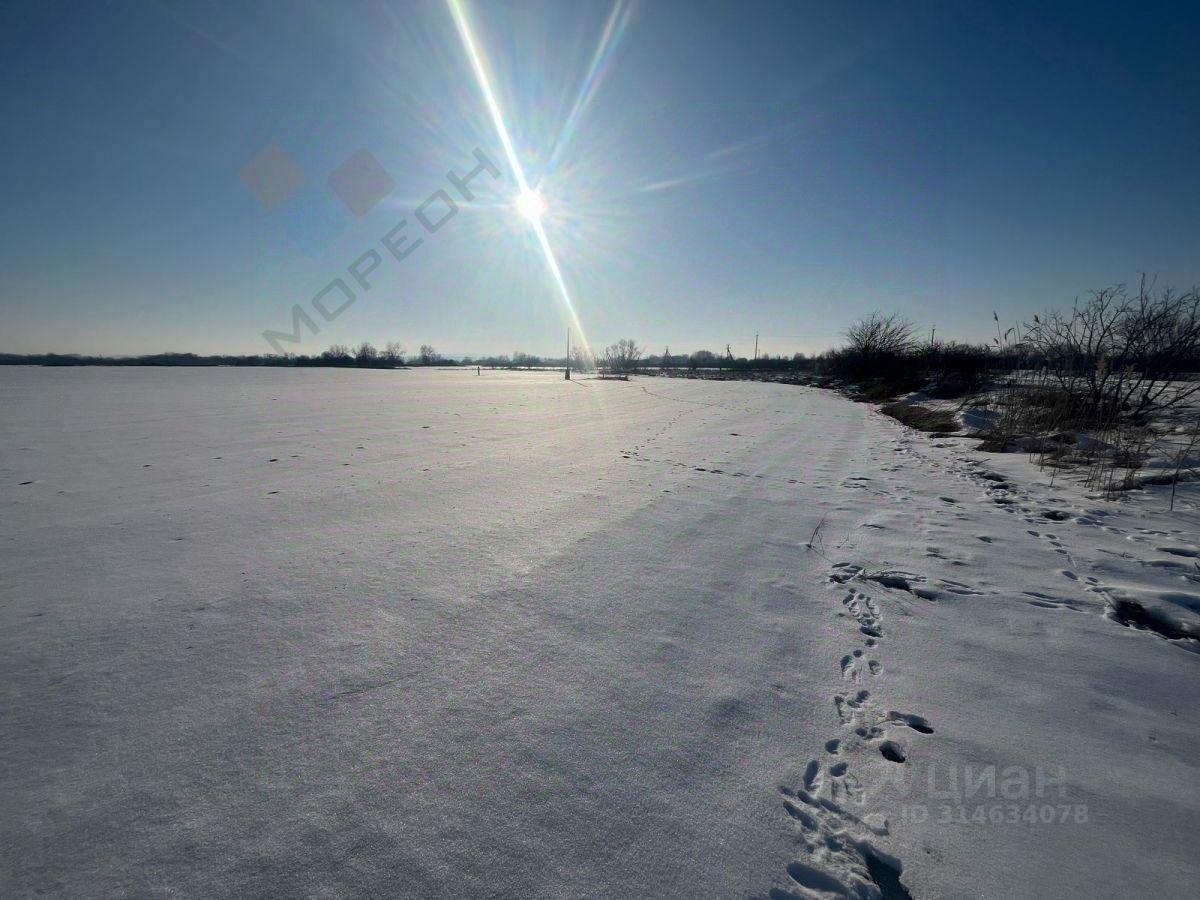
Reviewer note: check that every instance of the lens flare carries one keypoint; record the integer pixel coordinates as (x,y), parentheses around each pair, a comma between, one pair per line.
(525,194)
(602,62)
(531,204)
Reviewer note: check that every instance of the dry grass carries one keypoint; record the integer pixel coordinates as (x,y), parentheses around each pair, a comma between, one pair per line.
(920,417)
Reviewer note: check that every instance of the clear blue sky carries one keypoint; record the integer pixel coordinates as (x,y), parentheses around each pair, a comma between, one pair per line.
(734,167)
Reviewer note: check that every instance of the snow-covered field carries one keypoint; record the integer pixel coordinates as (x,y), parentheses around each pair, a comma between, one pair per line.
(427,634)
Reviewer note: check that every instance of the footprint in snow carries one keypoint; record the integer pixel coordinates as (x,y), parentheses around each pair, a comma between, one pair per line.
(909,720)
(841,859)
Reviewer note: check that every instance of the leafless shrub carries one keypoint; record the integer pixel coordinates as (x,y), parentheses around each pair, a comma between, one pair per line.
(879,335)
(1080,390)
(1121,356)
(880,356)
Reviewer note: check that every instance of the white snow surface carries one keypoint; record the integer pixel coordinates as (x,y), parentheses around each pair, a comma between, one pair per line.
(430,634)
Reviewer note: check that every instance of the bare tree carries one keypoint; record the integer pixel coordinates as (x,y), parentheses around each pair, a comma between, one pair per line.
(623,356)
(393,352)
(582,360)
(365,353)
(337,355)
(877,335)
(428,355)
(1122,356)
(632,353)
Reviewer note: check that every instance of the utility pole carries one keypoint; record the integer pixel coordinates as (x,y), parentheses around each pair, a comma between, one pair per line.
(756,346)
(567,361)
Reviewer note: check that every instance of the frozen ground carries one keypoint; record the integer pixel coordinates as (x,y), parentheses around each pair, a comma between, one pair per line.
(426,634)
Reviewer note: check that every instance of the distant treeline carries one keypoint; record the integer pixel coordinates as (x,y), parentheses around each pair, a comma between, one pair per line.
(1114,341)
(155,359)
(366,356)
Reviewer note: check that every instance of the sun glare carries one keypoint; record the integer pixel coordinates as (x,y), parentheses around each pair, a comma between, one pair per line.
(531,204)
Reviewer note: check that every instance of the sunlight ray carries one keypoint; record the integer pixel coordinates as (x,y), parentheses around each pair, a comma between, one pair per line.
(478,66)
(601,63)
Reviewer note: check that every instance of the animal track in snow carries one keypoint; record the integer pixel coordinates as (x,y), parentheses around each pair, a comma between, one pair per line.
(843,572)
(852,710)
(902,581)
(839,856)
(957,587)
(853,666)
(812,776)
(1049,601)
(844,784)
(916,723)
(864,611)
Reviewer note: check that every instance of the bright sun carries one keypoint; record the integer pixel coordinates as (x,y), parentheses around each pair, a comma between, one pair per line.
(531,204)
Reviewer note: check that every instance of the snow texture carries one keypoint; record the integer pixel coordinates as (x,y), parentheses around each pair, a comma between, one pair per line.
(431,634)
